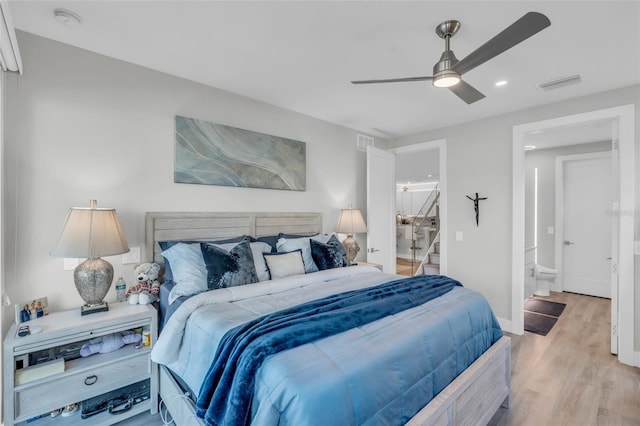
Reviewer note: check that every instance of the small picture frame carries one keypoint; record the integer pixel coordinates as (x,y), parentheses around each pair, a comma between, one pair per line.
(31,309)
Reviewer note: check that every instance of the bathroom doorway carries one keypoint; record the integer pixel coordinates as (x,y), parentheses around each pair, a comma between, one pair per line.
(585,183)
(552,209)
(622,282)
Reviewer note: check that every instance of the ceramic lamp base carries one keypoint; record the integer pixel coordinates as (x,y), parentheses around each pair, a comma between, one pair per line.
(93,278)
(351,248)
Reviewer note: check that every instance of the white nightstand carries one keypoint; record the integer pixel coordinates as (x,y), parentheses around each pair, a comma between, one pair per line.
(83,378)
(375,265)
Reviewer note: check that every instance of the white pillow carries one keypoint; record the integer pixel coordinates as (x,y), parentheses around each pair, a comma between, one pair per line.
(188,270)
(257,248)
(284,264)
(290,244)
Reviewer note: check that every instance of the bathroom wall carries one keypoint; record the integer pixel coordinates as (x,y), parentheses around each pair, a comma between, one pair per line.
(545,161)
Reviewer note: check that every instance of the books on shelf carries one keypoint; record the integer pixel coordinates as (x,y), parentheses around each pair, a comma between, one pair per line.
(38,371)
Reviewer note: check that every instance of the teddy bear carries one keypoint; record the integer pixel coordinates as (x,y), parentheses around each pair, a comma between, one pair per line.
(109,343)
(148,287)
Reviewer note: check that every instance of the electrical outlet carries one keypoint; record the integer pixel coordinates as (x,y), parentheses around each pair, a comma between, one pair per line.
(132,257)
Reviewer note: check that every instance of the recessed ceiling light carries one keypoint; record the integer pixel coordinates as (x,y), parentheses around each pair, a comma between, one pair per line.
(529,147)
(67,18)
(501,83)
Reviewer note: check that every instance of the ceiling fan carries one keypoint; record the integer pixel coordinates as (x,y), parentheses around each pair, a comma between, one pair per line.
(448,70)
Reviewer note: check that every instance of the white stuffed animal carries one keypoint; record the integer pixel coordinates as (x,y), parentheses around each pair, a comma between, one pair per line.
(148,287)
(109,343)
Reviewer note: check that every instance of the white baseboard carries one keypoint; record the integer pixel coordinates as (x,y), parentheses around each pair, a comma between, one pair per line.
(404,256)
(636,359)
(505,324)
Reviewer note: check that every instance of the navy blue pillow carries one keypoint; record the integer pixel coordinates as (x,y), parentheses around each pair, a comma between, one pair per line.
(164,245)
(330,255)
(229,268)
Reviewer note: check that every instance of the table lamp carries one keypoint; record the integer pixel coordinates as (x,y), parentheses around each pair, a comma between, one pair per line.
(351,222)
(91,232)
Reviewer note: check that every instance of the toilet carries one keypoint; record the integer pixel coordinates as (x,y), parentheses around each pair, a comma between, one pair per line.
(544,276)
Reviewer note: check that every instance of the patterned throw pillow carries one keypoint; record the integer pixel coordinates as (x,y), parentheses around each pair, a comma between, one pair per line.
(329,255)
(229,268)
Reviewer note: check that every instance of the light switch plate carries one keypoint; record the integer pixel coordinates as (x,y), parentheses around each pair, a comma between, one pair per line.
(550,230)
(459,236)
(636,248)
(132,257)
(70,263)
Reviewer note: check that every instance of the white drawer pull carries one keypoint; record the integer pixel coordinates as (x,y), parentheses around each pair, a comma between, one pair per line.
(90,380)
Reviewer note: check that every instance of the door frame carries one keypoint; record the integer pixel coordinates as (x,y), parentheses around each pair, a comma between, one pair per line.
(441,145)
(625,115)
(559,214)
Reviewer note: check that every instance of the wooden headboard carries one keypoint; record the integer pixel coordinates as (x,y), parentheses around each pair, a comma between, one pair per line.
(207,226)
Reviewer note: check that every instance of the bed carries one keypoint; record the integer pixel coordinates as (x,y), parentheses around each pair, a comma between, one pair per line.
(471,398)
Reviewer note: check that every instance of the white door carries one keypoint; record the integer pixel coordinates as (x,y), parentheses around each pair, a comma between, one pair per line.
(588,196)
(381,207)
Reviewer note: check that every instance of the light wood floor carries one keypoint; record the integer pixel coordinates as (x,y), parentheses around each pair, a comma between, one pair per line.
(404,267)
(568,377)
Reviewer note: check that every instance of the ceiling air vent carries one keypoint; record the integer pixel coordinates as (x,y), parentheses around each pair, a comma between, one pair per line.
(556,83)
(364,142)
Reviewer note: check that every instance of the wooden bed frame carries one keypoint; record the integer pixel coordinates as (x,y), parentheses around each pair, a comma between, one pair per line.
(472,398)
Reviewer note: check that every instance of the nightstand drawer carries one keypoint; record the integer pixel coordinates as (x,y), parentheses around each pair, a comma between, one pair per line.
(42,397)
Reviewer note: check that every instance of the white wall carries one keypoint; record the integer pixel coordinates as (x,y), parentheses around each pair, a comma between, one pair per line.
(545,161)
(83,126)
(479,159)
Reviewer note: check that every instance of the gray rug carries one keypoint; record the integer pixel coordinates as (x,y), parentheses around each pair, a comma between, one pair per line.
(544,307)
(541,315)
(538,323)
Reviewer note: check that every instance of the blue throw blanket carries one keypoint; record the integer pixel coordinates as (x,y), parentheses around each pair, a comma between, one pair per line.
(227,390)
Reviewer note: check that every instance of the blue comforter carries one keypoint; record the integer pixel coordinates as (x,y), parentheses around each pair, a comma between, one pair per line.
(227,391)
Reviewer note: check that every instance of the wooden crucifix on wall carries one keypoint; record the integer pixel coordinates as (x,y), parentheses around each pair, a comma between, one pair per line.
(476,206)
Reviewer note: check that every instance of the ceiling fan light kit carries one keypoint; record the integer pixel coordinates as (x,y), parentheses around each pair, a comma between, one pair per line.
(448,70)
(446,79)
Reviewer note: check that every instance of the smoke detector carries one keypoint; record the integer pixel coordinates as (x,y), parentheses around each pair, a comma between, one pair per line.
(67,18)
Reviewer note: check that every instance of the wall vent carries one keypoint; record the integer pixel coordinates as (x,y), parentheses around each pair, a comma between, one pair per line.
(556,83)
(364,142)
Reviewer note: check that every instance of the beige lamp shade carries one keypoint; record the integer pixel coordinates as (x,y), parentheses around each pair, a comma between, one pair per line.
(351,222)
(91,232)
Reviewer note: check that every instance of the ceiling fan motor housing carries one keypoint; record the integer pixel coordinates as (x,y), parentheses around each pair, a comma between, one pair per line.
(444,67)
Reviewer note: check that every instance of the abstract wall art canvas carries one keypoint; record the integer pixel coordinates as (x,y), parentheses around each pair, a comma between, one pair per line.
(213,154)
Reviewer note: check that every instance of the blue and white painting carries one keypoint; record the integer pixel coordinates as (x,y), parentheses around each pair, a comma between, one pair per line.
(213,154)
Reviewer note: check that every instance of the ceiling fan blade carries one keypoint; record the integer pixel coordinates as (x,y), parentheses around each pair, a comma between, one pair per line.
(393,80)
(466,92)
(522,29)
